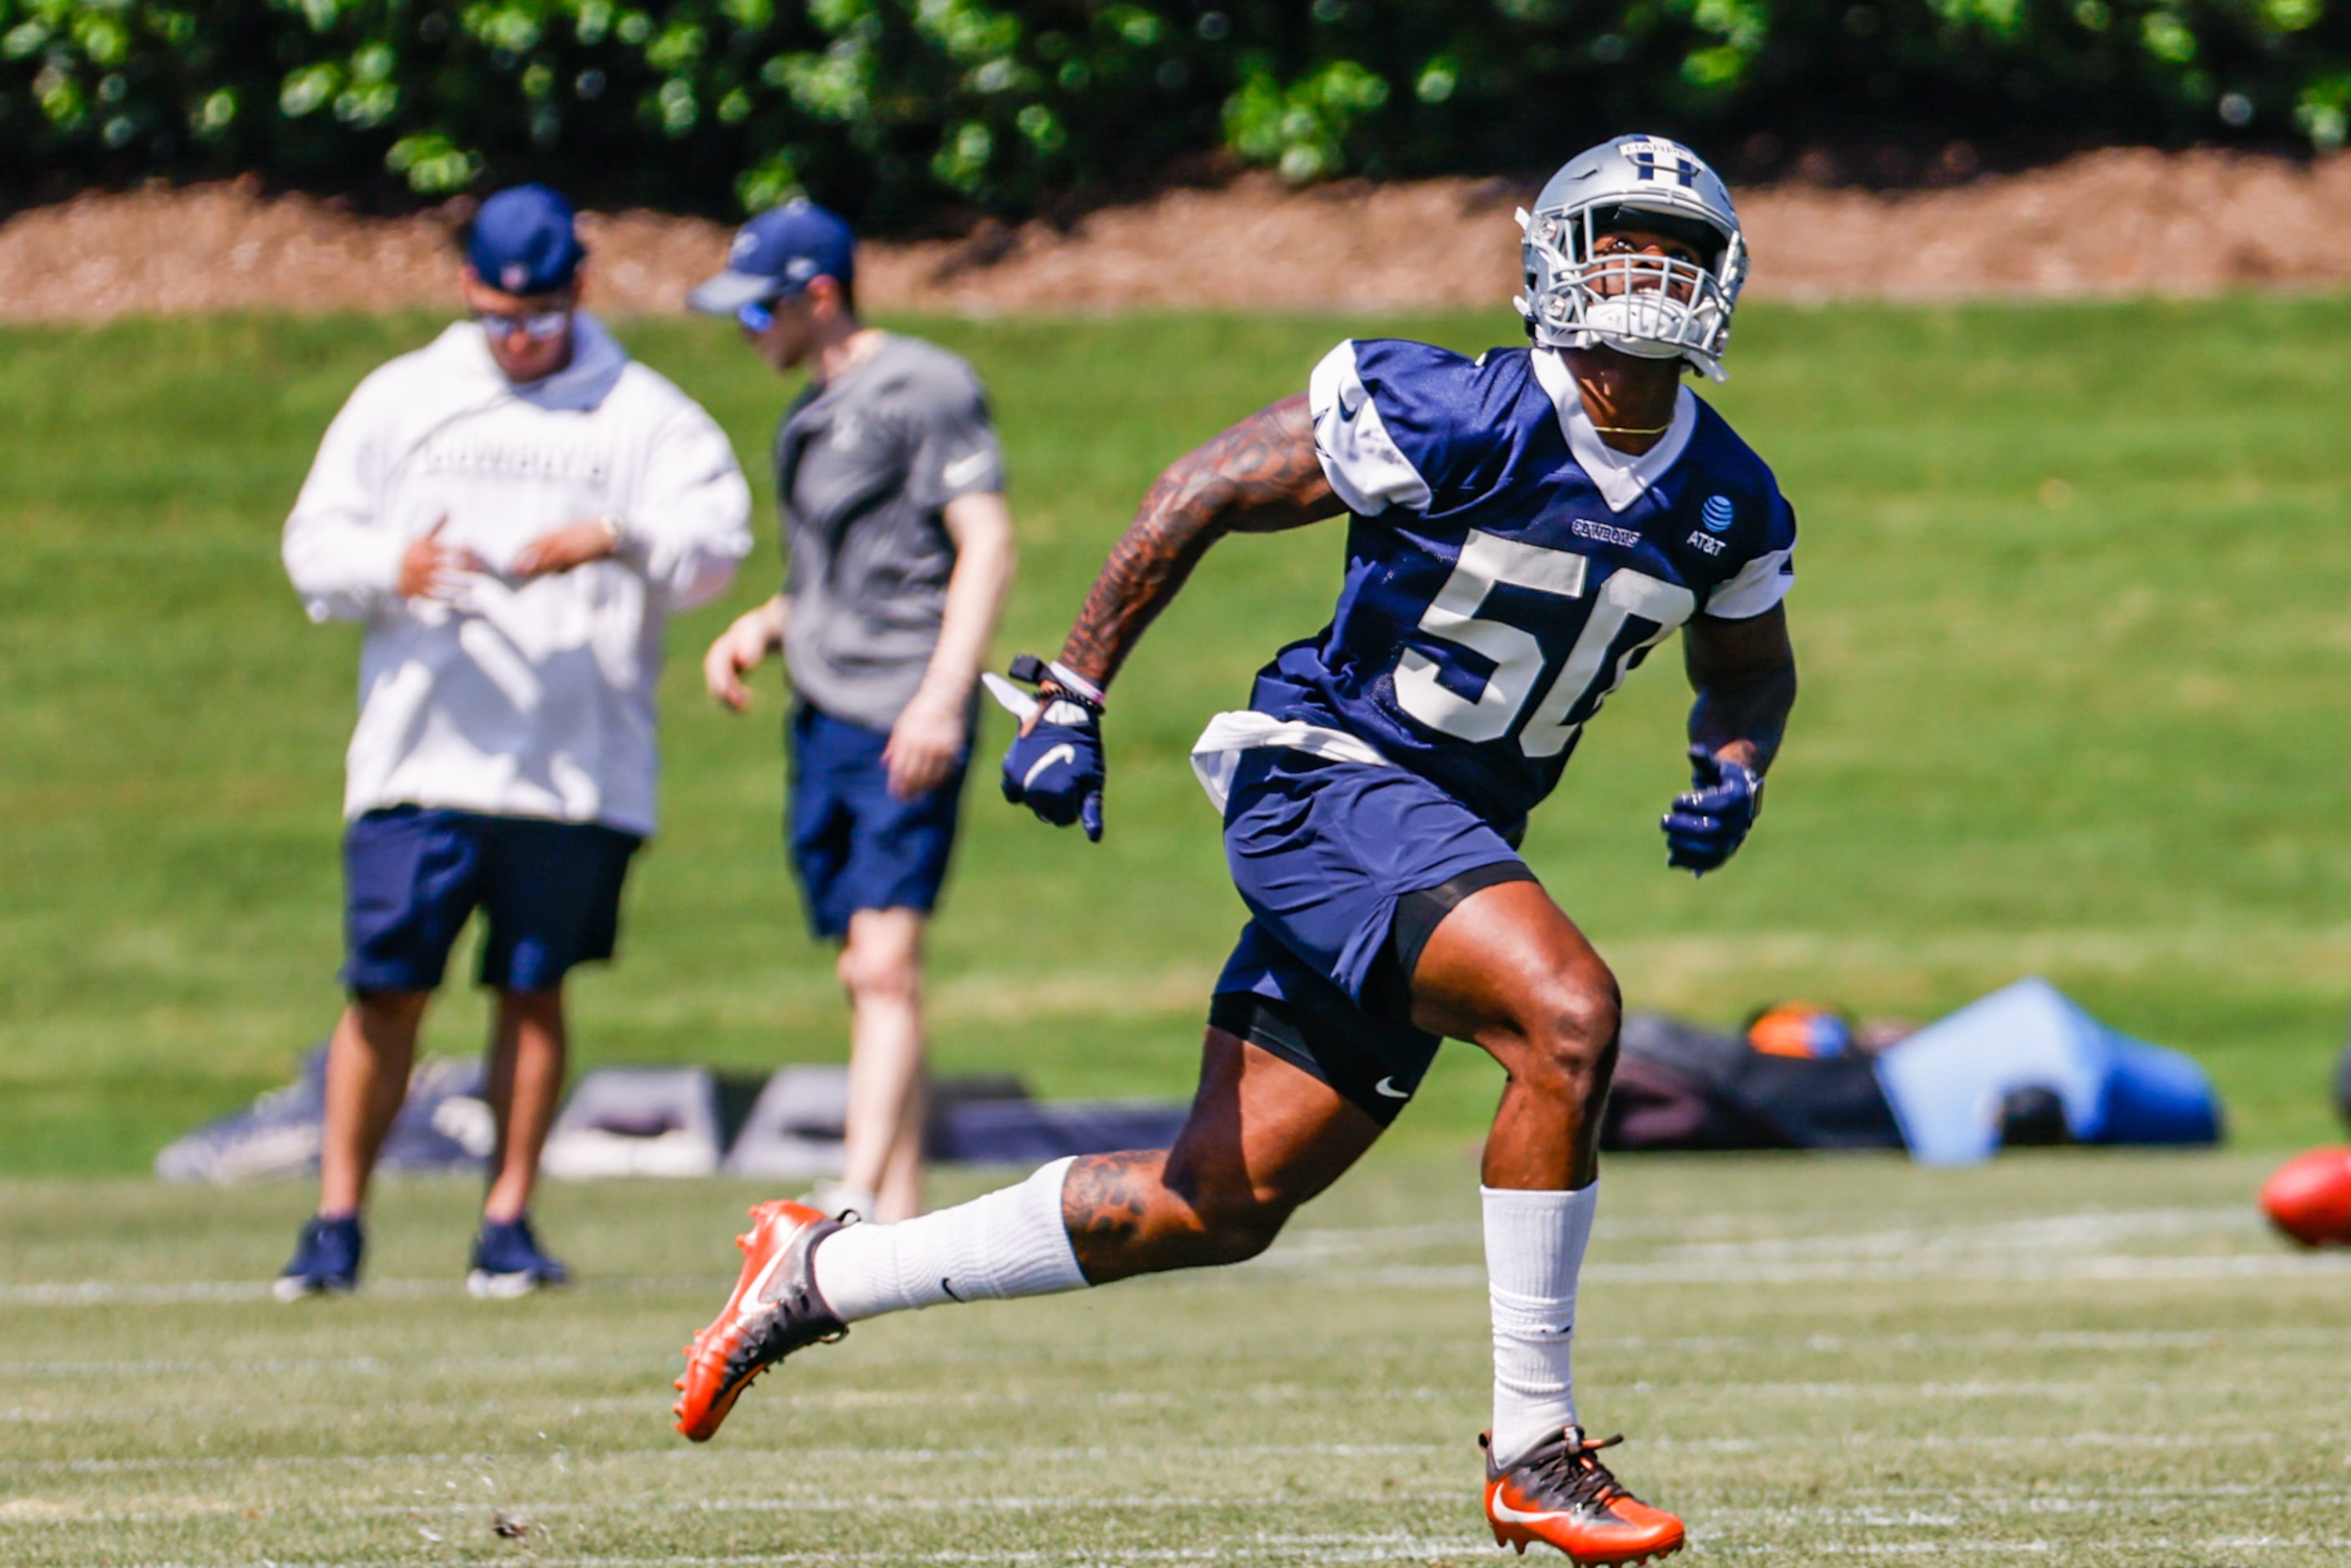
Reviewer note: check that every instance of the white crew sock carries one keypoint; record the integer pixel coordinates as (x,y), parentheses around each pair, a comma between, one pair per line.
(1534,1249)
(1011,1242)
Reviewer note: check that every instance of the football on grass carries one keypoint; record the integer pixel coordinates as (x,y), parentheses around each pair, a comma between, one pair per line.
(2309,1197)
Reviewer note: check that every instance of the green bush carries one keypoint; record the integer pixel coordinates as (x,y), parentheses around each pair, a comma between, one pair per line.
(906,112)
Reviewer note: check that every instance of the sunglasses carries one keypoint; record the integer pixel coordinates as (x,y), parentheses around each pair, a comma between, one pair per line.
(756,318)
(537,325)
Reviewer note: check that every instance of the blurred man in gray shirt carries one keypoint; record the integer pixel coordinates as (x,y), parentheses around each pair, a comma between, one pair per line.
(900,551)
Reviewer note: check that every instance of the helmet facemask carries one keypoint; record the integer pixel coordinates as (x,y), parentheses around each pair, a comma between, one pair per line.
(1650,306)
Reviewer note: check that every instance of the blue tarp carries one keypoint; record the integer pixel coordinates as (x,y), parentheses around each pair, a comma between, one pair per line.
(1947,1082)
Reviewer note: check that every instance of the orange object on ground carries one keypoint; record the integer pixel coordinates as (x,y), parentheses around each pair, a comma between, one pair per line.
(2309,1197)
(1803,1030)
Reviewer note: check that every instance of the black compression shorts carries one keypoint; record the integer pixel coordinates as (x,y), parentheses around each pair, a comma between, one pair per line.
(1369,1052)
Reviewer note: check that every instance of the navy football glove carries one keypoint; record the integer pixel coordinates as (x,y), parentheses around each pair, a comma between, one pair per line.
(1706,826)
(1056,767)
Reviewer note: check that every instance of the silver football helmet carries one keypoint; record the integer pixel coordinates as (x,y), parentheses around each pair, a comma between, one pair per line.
(1656,307)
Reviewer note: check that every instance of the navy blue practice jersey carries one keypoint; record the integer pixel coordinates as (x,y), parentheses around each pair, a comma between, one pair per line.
(1506,569)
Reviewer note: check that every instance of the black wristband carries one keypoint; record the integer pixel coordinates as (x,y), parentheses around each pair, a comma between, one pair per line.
(1060,683)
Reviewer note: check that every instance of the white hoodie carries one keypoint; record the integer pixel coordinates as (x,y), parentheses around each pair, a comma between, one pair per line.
(532,699)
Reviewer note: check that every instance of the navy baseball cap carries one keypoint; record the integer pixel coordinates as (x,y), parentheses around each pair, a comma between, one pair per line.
(777,255)
(524,241)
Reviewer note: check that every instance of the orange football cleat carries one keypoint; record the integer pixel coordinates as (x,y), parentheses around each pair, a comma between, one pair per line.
(1561,1495)
(775,1310)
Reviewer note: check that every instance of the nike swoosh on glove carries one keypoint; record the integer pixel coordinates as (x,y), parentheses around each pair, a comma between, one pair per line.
(1056,769)
(1707,825)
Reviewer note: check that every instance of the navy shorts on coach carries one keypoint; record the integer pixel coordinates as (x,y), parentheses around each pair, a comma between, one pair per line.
(855,845)
(1321,851)
(412,875)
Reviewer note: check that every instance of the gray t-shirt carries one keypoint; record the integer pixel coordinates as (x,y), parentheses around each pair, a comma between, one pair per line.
(864,464)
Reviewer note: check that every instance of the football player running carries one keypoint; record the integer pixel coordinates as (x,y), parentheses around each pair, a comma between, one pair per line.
(1523,528)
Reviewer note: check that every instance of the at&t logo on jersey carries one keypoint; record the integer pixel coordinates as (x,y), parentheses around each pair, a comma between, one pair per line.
(1718,514)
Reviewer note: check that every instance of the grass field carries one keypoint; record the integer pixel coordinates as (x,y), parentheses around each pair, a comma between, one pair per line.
(2072,622)
(2071,618)
(2070,1361)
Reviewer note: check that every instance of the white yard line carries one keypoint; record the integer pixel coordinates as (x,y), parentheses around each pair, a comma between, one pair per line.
(2089,1268)
(1871,1442)
(679,1451)
(2166,1548)
(339,1365)
(1289,1548)
(2029,1233)
(196,1292)
(1955,1509)
(555,1407)
(2115,1341)
(1912,1513)
(1339,1549)
(2113,1267)
(1805,1247)
(43,1512)
(2134,1268)
(1804,1234)
(1316,1242)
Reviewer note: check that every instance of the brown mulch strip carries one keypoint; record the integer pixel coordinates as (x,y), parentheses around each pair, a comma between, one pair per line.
(2119,222)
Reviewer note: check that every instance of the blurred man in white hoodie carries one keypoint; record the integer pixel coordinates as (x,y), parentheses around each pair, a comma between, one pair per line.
(512,510)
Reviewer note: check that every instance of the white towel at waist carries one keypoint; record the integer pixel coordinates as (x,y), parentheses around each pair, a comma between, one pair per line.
(1218,753)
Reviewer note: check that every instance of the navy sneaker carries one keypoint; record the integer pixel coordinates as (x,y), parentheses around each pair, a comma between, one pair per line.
(507,1263)
(325,1260)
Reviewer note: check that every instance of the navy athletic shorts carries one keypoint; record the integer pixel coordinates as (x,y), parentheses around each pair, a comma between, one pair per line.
(1346,870)
(412,875)
(855,845)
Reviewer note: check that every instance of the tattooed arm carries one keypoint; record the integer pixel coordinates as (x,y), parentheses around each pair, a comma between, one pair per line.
(1259,478)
